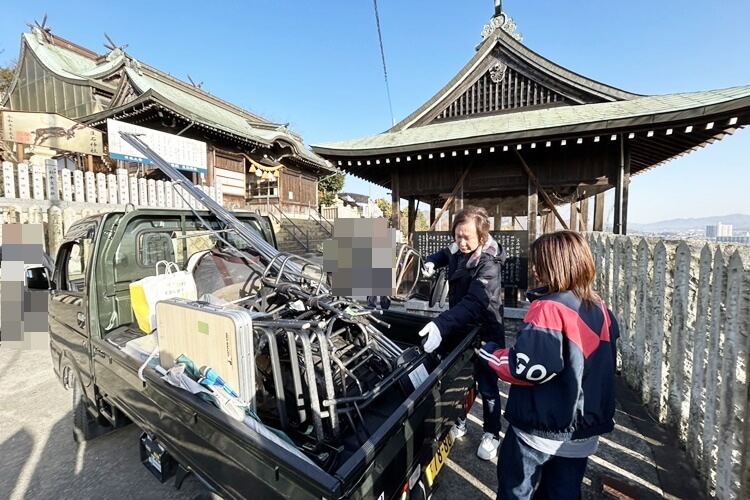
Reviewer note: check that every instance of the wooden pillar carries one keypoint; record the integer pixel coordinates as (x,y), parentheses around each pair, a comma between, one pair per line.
(498,218)
(432,214)
(618,200)
(458,203)
(211,166)
(412,218)
(619,180)
(395,200)
(90,163)
(573,215)
(19,152)
(599,212)
(584,215)
(531,227)
(531,212)
(550,223)
(625,192)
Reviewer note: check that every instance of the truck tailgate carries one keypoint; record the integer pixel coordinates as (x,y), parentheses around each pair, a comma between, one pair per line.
(412,434)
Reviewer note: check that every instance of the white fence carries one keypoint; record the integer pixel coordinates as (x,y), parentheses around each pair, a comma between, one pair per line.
(684,313)
(48,183)
(339,212)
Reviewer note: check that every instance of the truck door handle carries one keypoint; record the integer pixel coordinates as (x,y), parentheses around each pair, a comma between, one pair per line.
(100,352)
(81,319)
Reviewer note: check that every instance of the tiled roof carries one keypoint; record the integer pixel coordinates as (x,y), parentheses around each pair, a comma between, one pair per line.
(563,120)
(193,102)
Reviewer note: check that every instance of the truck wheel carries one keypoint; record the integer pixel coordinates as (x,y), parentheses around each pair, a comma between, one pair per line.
(85,426)
(81,417)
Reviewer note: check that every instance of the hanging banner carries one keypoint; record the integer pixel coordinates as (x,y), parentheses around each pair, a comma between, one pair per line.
(52,131)
(180,152)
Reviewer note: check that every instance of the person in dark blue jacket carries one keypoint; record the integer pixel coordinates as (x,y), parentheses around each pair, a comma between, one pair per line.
(562,375)
(475,297)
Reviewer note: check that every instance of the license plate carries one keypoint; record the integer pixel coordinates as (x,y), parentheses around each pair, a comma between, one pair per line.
(439,459)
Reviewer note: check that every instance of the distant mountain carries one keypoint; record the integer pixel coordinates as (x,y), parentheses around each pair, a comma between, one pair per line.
(741,222)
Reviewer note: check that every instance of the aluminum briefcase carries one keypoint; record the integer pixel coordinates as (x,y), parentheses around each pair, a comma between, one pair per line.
(210,335)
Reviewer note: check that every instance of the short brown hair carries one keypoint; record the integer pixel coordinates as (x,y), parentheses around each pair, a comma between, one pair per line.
(563,261)
(480,218)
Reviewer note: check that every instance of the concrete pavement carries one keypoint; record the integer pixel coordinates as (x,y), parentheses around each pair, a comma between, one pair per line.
(40,459)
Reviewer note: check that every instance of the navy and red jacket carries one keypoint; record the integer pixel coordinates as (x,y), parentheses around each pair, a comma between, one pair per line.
(561,368)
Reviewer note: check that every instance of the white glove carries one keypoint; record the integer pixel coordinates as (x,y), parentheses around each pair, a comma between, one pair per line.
(428,269)
(432,332)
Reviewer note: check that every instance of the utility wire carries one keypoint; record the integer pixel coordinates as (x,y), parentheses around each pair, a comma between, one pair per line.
(382,55)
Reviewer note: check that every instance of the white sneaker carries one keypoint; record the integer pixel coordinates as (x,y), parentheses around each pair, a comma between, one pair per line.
(488,447)
(458,430)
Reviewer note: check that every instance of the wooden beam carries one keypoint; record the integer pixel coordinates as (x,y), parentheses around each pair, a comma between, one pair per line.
(90,163)
(450,199)
(539,188)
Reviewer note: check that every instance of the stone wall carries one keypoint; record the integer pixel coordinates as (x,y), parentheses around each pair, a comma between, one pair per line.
(684,314)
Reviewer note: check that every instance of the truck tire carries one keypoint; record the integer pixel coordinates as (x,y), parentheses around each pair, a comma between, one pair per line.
(85,426)
(81,427)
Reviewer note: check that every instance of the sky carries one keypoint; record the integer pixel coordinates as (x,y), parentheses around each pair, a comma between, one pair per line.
(317,64)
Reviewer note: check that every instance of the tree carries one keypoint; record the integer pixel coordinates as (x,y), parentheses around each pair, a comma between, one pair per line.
(422,224)
(328,188)
(6,77)
(385,206)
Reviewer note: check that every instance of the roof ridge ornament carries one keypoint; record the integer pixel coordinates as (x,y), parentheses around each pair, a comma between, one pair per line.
(41,31)
(503,21)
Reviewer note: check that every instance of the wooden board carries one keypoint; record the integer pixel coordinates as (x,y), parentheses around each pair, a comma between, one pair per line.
(205,334)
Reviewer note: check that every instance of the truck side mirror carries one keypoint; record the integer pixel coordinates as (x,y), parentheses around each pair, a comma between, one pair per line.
(37,279)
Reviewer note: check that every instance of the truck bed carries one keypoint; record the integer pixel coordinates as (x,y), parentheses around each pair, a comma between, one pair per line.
(403,430)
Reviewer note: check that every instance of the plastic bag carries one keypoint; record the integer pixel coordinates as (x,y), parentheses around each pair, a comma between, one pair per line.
(146,292)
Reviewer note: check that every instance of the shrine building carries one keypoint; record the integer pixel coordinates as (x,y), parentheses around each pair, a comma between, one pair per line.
(520,135)
(257,162)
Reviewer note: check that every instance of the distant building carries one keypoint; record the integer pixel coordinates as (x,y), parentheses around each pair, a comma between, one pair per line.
(744,240)
(363,204)
(719,230)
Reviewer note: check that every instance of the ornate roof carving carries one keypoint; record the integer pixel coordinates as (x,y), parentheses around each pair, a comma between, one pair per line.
(503,22)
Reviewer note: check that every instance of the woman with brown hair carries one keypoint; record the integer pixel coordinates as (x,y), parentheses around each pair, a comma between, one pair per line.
(475,296)
(562,373)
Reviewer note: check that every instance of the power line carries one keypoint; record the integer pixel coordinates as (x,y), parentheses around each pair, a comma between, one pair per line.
(382,55)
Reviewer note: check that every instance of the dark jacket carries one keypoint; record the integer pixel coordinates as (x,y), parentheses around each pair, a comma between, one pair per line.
(561,369)
(475,293)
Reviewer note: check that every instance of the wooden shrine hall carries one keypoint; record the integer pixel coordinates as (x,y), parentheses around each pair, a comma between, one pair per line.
(520,135)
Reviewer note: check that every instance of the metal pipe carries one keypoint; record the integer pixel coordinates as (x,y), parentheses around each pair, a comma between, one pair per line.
(278,381)
(296,378)
(265,249)
(325,361)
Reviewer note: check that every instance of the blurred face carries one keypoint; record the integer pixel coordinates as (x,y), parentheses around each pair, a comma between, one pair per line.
(467,237)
